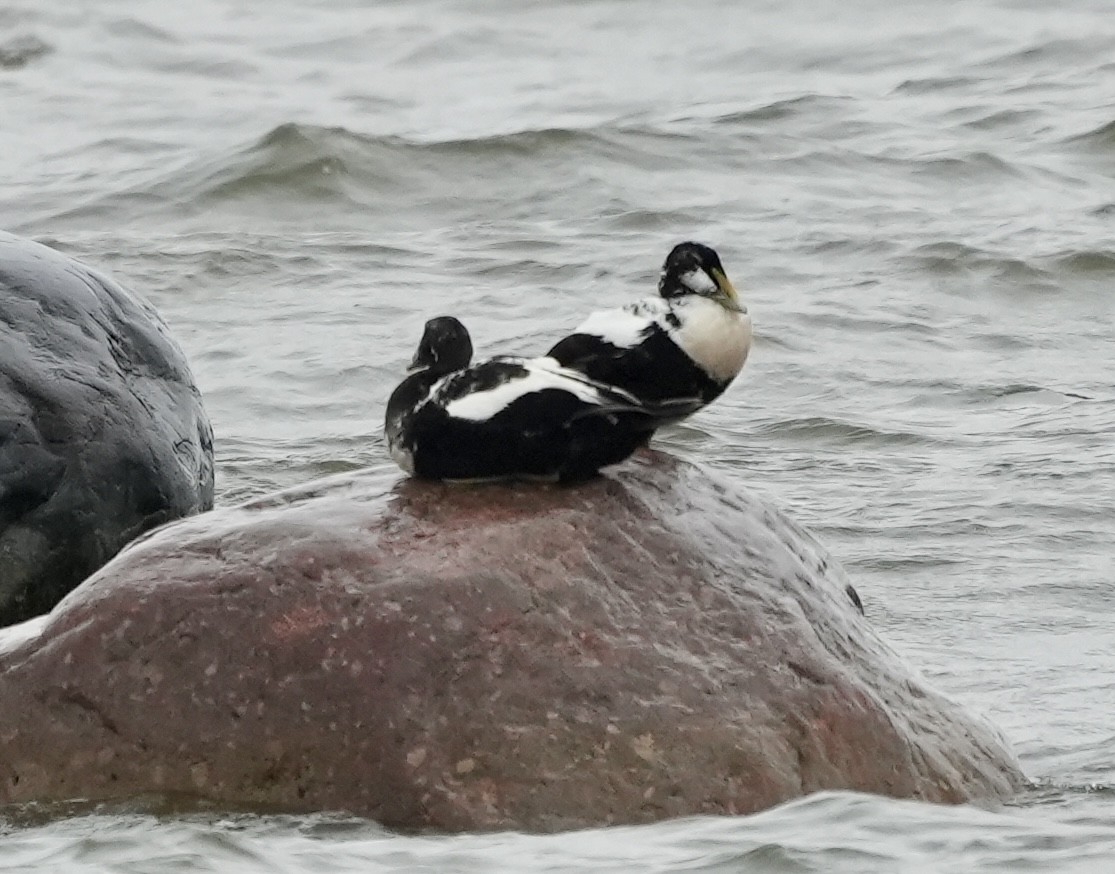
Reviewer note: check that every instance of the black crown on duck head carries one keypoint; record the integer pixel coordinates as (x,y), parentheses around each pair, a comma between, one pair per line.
(694,268)
(445,346)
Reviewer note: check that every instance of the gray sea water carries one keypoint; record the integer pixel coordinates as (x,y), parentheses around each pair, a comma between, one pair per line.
(916,199)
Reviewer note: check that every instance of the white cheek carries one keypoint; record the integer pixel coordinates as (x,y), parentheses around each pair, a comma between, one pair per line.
(717,339)
(698,281)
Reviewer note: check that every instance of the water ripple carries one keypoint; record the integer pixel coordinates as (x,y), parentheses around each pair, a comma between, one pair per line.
(19,51)
(834,832)
(831,431)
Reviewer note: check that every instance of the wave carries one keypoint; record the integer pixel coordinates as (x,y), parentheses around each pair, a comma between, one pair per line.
(1050,827)
(294,153)
(300,165)
(953,258)
(934,84)
(970,165)
(1051,53)
(994,118)
(295,168)
(950,257)
(1100,138)
(837,431)
(1088,262)
(20,51)
(790,107)
(1005,391)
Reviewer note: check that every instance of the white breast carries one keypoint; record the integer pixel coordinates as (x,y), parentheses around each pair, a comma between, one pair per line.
(716,338)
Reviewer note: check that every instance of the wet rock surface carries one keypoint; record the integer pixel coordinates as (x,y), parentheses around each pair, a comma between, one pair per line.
(652,644)
(102,430)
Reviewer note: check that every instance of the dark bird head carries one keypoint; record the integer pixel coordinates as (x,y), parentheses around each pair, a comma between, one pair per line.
(445,347)
(693,268)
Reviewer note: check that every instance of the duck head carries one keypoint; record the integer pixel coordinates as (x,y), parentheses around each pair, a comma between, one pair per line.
(693,268)
(445,347)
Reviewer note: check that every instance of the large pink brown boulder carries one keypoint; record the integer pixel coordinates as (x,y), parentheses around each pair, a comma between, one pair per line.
(652,644)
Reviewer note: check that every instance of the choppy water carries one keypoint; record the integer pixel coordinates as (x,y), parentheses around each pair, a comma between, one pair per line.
(917,200)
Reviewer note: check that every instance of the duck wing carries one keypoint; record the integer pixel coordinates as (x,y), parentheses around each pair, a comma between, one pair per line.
(610,399)
(613,334)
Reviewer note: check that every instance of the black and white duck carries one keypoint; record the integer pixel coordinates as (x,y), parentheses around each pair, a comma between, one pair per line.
(689,341)
(508,418)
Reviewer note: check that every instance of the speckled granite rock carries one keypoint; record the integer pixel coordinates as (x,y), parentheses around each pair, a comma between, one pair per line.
(652,644)
(102,431)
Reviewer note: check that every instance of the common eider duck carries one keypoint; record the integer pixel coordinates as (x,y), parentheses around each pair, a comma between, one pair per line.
(509,418)
(690,341)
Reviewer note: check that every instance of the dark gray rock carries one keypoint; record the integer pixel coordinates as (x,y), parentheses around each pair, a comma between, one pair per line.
(102,430)
(656,643)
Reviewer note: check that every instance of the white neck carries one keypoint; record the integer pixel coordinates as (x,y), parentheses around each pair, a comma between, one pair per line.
(716,338)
